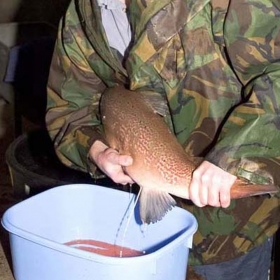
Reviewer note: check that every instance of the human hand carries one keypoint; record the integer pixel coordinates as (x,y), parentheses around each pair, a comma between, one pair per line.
(210,185)
(111,162)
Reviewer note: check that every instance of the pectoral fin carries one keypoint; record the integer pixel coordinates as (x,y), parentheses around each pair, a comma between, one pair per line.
(156,101)
(154,204)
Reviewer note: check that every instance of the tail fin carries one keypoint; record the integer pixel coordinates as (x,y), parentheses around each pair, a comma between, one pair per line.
(242,189)
(154,204)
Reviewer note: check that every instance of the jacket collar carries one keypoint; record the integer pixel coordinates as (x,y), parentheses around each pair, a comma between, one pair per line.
(153,22)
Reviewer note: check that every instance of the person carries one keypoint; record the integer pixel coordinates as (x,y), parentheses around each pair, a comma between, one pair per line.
(217,64)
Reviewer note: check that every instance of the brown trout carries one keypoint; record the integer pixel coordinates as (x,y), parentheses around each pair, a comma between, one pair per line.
(160,166)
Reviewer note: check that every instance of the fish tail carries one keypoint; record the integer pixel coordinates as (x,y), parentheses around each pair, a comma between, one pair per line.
(242,189)
(154,204)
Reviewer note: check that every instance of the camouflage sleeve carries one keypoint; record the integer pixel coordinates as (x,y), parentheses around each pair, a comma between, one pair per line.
(74,91)
(248,145)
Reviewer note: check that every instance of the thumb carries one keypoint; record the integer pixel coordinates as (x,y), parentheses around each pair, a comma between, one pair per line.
(125,160)
(116,158)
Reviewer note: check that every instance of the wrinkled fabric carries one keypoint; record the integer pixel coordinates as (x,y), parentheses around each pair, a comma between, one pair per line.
(217,64)
(254,265)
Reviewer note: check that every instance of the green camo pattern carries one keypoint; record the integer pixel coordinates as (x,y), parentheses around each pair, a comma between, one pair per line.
(217,63)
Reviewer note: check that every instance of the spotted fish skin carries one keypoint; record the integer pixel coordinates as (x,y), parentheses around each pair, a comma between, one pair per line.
(160,166)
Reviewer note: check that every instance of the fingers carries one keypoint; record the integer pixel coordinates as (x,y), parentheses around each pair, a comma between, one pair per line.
(211,185)
(225,199)
(112,164)
(115,158)
(120,177)
(198,191)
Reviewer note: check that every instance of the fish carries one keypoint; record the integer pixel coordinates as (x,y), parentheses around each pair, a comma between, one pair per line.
(134,125)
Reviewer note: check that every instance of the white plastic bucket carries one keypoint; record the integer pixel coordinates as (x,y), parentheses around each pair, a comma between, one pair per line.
(39,226)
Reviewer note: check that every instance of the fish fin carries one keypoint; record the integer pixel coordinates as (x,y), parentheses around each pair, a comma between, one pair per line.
(154,204)
(156,101)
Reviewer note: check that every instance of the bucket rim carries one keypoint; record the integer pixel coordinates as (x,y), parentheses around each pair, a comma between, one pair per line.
(187,234)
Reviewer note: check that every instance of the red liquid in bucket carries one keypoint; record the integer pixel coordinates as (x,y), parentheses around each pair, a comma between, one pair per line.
(103,248)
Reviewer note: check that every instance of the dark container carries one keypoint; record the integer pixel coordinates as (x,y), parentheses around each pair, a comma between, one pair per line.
(34,166)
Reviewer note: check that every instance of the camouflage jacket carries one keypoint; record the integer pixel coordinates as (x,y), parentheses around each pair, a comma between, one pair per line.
(217,63)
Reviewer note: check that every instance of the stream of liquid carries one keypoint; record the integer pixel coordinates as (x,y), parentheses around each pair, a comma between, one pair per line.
(129,216)
(108,249)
